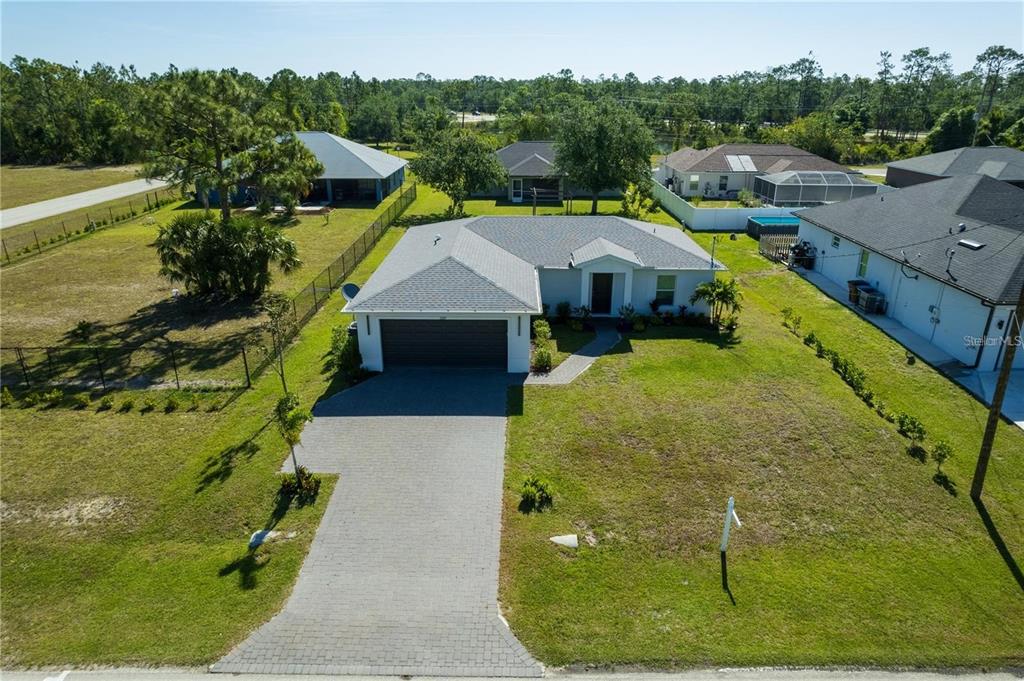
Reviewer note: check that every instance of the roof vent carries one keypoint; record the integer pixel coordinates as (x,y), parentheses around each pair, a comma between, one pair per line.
(437,237)
(973,245)
(962,227)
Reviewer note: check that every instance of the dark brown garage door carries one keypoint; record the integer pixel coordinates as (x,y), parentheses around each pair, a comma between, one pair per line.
(444,342)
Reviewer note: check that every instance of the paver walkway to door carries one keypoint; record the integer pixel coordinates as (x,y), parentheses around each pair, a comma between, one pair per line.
(578,362)
(402,576)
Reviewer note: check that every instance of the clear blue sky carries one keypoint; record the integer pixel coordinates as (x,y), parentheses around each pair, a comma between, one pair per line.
(525,39)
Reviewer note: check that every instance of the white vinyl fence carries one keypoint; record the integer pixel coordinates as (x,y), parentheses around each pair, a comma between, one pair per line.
(711,219)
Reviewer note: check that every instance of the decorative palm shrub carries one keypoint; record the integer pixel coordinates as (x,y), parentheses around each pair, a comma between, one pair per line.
(535,494)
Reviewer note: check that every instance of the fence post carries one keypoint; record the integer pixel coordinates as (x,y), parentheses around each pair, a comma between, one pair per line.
(245,363)
(174,365)
(131,208)
(6,254)
(38,247)
(99,365)
(316,303)
(148,207)
(295,312)
(330,279)
(64,227)
(24,369)
(49,363)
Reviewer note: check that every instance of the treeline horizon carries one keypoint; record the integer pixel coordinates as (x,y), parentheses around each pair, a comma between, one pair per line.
(53,113)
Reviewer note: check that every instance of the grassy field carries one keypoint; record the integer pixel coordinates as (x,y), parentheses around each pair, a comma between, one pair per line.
(20,185)
(112,278)
(850,553)
(125,533)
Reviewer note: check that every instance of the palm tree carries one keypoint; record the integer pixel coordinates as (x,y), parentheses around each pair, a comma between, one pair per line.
(720,295)
(291,419)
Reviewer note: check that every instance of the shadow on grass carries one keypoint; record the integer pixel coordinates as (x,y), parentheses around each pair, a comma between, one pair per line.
(917,452)
(252,561)
(945,482)
(220,466)
(1000,545)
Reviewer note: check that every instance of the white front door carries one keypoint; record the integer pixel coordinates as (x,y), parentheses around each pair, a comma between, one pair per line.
(517,190)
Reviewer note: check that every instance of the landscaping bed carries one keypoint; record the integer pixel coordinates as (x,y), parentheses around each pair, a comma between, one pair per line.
(852,550)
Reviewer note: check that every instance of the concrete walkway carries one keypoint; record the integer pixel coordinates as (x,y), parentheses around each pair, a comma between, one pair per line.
(402,576)
(979,383)
(578,362)
(65,204)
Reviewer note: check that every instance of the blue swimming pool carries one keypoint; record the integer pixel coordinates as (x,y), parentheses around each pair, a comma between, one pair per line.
(772,224)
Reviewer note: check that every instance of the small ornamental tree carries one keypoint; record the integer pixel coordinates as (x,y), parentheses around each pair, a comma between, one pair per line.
(942,451)
(291,419)
(458,163)
(720,296)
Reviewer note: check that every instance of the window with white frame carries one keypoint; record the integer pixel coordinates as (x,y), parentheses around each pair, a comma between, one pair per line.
(723,182)
(694,182)
(665,290)
(862,265)
(835,242)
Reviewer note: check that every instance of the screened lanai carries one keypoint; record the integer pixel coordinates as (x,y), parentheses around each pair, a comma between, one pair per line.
(811,188)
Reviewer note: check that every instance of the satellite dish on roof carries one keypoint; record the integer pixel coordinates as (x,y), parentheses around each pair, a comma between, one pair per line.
(350,291)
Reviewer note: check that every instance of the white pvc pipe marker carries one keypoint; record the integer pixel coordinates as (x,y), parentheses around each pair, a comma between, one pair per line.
(730,517)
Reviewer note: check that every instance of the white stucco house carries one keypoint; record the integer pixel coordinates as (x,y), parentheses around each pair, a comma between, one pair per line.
(947,256)
(462,292)
(723,170)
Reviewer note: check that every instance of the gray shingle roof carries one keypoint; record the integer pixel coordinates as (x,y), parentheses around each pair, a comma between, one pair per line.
(528,159)
(916,221)
(345,159)
(767,158)
(549,241)
(446,268)
(1002,163)
(599,248)
(489,264)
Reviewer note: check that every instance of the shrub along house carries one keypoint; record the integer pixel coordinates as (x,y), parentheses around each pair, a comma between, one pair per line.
(352,172)
(462,292)
(1002,163)
(945,259)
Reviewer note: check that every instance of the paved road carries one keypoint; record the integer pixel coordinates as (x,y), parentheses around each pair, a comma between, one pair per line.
(402,576)
(692,675)
(66,204)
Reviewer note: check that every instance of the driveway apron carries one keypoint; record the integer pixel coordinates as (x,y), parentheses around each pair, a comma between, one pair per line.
(402,575)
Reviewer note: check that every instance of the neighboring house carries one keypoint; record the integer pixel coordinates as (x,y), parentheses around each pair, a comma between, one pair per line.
(531,166)
(352,171)
(947,256)
(462,292)
(794,188)
(1002,163)
(722,171)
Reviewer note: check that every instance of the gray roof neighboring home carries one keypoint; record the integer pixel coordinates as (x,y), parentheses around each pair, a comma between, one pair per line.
(345,159)
(755,158)
(923,222)
(528,159)
(489,264)
(1002,163)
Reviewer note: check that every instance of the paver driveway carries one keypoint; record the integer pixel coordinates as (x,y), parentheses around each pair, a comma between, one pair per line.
(402,576)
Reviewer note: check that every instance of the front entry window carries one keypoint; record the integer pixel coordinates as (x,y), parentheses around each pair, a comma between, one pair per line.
(665,293)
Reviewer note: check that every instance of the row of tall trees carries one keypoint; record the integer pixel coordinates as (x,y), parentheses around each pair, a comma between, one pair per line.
(52,112)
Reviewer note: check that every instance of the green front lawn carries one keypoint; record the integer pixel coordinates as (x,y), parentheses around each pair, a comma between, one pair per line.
(20,185)
(565,341)
(849,554)
(124,534)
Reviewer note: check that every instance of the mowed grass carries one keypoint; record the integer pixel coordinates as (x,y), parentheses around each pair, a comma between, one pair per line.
(849,553)
(112,278)
(20,184)
(155,570)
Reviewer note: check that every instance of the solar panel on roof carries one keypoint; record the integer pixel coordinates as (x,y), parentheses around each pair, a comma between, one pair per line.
(735,164)
(747,163)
